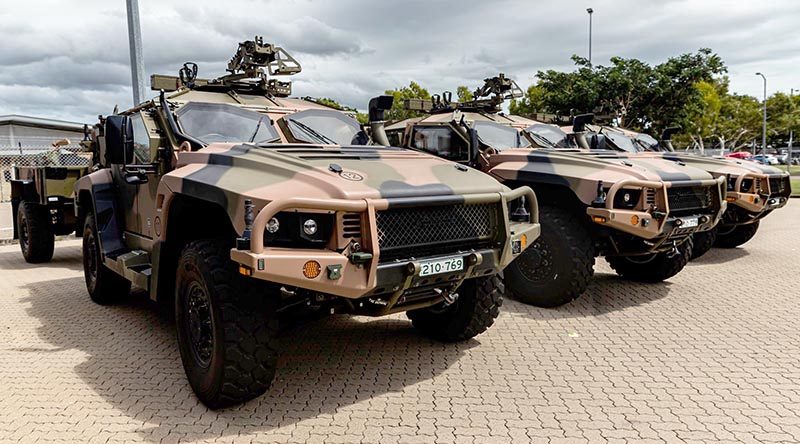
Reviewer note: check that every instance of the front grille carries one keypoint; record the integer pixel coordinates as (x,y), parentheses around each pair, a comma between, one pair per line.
(427,231)
(779,186)
(689,200)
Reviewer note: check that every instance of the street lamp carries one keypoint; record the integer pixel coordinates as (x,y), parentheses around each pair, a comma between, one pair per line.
(764,126)
(590,11)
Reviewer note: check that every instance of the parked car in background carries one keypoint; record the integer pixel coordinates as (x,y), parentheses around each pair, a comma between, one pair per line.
(766,159)
(740,155)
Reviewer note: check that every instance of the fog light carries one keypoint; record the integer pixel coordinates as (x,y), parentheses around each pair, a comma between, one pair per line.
(599,219)
(311,269)
(310,227)
(273,225)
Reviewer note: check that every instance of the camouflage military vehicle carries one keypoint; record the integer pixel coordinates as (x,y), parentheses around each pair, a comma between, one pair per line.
(42,199)
(753,190)
(639,214)
(242,203)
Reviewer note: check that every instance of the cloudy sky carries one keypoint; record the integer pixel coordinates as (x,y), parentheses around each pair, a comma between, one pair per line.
(69,59)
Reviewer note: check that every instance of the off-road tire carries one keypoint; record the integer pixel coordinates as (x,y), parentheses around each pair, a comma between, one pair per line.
(35,229)
(702,241)
(556,269)
(104,286)
(240,363)
(475,310)
(732,238)
(660,267)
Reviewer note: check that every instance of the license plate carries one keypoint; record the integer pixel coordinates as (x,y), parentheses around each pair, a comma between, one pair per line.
(440,266)
(690,222)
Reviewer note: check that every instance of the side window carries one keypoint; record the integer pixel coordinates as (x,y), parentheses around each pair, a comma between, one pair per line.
(141,141)
(441,141)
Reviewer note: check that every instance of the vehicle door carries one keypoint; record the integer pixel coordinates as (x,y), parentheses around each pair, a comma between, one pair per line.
(145,159)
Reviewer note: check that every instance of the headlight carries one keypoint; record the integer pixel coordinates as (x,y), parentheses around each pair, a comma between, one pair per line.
(273,225)
(310,227)
(299,230)
(627,199)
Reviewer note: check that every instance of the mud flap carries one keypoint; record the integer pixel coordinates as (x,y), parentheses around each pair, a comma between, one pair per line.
(106,216)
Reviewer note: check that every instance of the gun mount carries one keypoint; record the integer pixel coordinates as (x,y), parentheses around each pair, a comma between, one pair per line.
(248,71)
(487,98)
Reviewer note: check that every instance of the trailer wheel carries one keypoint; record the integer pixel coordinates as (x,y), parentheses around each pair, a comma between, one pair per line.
(36,238)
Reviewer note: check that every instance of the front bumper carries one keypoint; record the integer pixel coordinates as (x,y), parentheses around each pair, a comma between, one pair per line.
(341,276)
(756,201)
(644,223)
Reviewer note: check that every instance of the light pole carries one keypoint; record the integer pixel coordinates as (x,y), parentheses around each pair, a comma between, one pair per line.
(135,42)
(590,11)
(764,126)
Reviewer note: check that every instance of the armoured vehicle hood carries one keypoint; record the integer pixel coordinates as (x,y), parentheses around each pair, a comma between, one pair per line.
(578,166)
(228,172)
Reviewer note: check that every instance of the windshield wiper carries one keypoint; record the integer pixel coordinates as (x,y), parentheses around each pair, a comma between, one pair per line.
(319,136)
(542,140)
(258,127)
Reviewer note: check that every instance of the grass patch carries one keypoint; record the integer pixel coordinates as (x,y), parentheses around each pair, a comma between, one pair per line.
(795,186)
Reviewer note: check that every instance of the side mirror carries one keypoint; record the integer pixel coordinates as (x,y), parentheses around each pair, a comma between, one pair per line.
(118,140)
(580,121)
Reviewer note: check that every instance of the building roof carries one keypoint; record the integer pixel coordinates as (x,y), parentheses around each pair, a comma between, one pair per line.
(39,122)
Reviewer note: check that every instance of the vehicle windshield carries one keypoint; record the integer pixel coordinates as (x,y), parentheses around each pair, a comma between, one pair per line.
(499,137)
(325,127)
(647,142)
(549,136)
(621,141)
(218,122)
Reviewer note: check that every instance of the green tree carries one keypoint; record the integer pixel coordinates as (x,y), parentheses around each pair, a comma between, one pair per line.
(631,92)
(363,118)
(531,103)
(412,91)
(464,94)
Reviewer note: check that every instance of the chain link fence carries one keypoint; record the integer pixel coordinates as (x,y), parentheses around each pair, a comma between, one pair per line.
(35,151)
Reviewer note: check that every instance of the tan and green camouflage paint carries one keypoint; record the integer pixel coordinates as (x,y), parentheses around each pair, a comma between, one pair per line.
(581,171)
(286,177)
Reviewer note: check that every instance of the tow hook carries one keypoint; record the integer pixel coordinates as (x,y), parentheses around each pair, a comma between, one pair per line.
(449,298)
(674,252)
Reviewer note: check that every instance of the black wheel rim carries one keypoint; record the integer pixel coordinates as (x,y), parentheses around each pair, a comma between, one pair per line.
(199,323)
(537,265)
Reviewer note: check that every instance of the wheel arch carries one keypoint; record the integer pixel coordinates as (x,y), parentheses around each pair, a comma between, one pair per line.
(187,218)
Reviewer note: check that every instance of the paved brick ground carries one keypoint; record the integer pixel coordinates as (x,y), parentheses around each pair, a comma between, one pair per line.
(712,356)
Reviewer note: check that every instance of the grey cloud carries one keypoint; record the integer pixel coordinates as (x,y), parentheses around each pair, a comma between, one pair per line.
(73,62)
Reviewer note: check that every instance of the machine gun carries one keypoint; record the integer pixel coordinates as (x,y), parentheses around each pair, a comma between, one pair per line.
(488,98)
(248,71)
